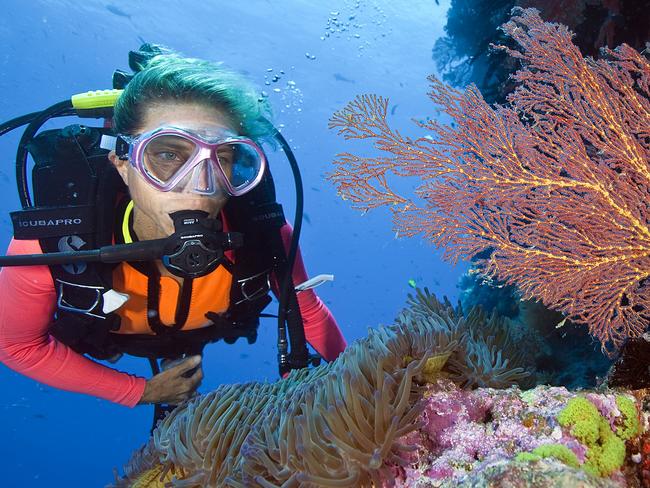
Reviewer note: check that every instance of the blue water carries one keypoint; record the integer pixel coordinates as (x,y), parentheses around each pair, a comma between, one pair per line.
(328,53)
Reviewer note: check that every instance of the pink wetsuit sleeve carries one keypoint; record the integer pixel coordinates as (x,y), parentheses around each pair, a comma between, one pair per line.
(26,310)
(321,329)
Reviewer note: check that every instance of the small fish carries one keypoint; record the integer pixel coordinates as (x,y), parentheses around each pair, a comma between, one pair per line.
(392,110)
(412,283)
(340,77)
(117,11)
(306,218)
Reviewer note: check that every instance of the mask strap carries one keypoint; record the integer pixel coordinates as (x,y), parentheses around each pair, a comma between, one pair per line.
(108,142)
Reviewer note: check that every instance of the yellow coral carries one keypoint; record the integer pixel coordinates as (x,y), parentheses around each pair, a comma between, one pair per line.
(605,449)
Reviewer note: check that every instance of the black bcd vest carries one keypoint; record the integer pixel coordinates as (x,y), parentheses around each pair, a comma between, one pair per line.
(79,200)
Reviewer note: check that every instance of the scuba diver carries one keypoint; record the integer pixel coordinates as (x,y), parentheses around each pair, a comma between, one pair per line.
(153,236)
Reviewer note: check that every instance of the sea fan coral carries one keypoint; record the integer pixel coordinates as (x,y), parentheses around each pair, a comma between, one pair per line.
(547,193)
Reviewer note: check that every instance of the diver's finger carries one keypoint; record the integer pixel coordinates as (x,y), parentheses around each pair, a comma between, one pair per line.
(187,364)
(196,377)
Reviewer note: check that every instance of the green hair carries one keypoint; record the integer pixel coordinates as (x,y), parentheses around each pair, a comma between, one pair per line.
(166,76)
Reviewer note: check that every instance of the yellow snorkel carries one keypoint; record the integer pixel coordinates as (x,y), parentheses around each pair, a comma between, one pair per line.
(95,103)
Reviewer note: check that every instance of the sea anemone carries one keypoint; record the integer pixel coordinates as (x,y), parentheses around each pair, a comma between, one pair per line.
(335,425)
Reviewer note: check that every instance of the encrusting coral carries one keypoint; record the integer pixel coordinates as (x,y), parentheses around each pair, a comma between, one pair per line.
(544,437)
(335,425)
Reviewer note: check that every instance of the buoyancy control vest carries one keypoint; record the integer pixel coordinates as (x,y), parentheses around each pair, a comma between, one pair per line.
(79,205)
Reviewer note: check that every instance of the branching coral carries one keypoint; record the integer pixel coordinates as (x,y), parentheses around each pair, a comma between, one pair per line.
(548,193)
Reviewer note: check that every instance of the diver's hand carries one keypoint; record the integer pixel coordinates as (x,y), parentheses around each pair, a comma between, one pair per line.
(172,386)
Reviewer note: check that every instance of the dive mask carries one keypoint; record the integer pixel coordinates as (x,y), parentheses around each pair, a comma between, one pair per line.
(175,159)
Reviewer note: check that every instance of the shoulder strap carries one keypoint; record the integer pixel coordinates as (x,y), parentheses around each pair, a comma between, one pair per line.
(73,181)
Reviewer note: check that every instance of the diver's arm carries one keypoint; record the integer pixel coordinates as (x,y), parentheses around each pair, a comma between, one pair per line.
(321,329)
(26,310)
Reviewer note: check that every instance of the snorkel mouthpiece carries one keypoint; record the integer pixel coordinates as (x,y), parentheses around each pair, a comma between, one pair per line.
(197,245)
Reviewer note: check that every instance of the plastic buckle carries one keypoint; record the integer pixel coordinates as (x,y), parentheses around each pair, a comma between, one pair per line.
(94,295)
(263,289)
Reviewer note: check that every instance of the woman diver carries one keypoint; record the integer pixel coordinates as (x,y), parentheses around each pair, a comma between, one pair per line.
(189,134)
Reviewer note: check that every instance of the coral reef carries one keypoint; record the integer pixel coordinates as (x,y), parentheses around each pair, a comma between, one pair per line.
(546,193)
(473,438)
(390,411)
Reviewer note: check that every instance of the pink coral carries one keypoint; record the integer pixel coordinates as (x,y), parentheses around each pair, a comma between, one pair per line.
(554,185)
(463,432)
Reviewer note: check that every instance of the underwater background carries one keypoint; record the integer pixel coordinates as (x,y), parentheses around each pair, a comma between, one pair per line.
(310,58)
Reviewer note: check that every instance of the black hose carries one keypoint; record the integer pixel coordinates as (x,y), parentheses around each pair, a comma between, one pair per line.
(296,337)
(137,251)
(57,110)
(17,122)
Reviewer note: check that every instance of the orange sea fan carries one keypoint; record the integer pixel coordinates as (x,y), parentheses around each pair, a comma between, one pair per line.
(550,193)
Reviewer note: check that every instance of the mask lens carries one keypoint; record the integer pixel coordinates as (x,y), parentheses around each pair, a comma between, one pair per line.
(165,155)
(240,162)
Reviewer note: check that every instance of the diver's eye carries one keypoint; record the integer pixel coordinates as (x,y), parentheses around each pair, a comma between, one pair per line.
(167,156)
(225,156)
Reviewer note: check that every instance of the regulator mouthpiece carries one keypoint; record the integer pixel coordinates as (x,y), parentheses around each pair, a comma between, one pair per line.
(197,246)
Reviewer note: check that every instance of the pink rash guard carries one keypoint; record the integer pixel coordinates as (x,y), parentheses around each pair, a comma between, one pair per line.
(27,307)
